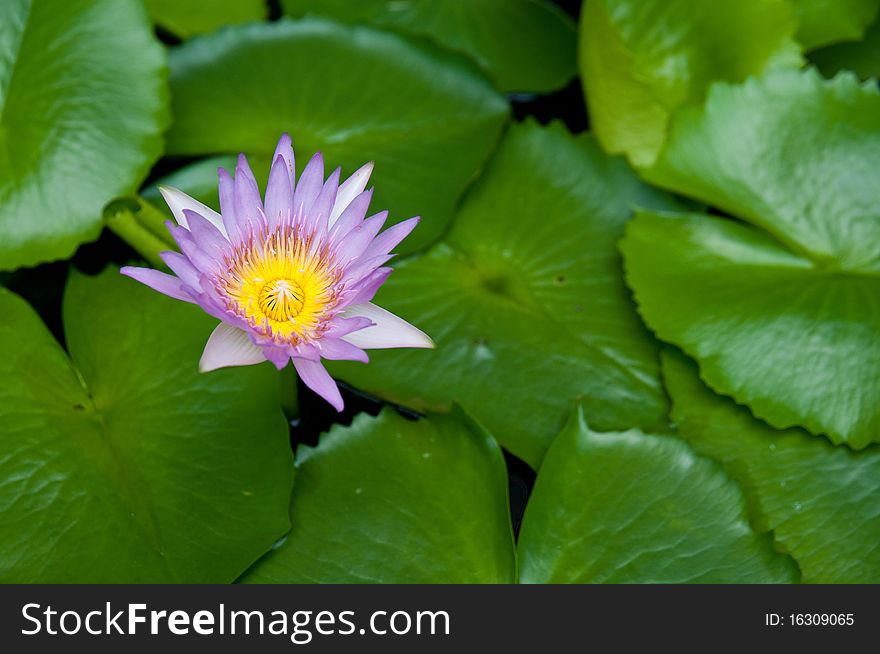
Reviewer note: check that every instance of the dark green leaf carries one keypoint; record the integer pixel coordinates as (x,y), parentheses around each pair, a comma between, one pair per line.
(188,17)
(391,500)
(83,103)
(128,465)
(525,300)
(425,117)
(634,508)
(523,45)
(818,500)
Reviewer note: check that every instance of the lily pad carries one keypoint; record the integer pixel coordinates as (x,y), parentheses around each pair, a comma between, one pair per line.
(392,500)
(523,45)
(186,18)
(822,22)
(525,300)
(83,103)
(861,57)
(427,117)
(123,463)
(629,507)
(640,60)
(819,501)
(780,312)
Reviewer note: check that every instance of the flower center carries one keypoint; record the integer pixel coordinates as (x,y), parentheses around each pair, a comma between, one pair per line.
(281,284)
(282,299)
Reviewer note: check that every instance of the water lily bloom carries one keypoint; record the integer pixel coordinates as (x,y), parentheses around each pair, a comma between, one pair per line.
(289,276)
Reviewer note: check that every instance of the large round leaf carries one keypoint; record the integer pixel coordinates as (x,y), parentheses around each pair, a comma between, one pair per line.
(127,464)
(820,501)
(634,508)
(781,314)
(642,59)
(188,17)
(821,22)
(523,45)
(83,103)
(525,300)
(391,500)
(427,118)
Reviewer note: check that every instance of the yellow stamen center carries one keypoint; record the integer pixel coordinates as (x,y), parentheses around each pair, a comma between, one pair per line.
(281,284)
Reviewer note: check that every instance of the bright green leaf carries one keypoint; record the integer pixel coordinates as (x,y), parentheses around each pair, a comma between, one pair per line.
(634,508)
(127,464)
(525,301)
(83,103)
(782,314)
(822,22)
(391,500)
(642,59)
(523,45)
(425,117)
(820,501)
(188,17)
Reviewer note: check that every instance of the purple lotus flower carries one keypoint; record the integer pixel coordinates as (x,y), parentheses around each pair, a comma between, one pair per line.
(290,278)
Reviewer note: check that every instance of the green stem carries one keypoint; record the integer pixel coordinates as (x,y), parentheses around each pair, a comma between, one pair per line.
(141,225)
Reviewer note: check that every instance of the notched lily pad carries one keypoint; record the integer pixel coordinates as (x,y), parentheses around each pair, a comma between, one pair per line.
(123,463)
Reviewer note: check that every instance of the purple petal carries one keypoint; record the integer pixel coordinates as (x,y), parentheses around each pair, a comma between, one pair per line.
(351,217)
(316,377)
(387,331)
(349,190)
(205,235)
(279,193)
(181,267)
(358,239)
(310,184)
(371,285)
(388,240)
(163,282)
(339,350)
(284,149)
(202,261)
(179,202)
(229,346)
(342,326)
(363,267)
(320,210)
(248,203)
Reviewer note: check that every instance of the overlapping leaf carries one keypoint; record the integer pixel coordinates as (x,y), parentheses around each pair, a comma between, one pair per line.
(523,45)
(642,59)
(188,17)
(634,508)
(391,500)
(127,464)
(821,22)
(819,500)
(83,103)
(525,300)
(862,57)
(782,313)
(426,117)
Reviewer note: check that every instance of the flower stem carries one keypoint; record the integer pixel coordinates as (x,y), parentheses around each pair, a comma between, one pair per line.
(141,225)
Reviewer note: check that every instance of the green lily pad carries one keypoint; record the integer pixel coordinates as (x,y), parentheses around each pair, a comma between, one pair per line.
(861,57)
(186,18)
(628,507)
(523,45)
(781,314)
(525,301)
(822,22)
(83,103)
(819,500)
(640,60)
(426,117)
(126,464)
(391,500)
